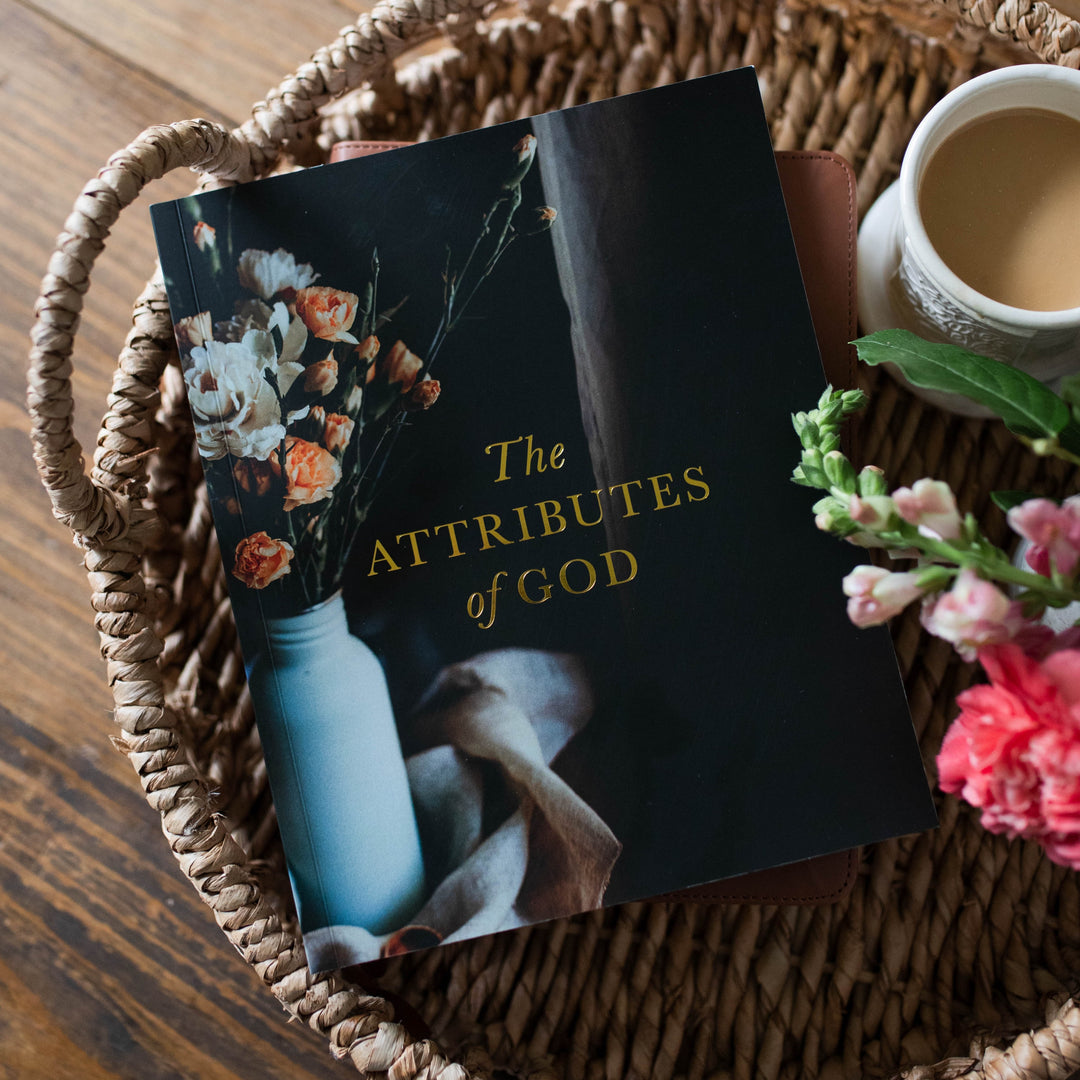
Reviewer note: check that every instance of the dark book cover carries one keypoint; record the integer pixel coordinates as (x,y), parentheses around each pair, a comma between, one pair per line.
(497,436)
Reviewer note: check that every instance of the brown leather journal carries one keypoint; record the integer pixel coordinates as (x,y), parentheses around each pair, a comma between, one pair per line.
(819,189)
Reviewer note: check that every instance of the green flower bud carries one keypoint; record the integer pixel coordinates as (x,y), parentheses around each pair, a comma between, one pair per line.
(840,471)
(831,516)
(813,468)
(853,401)
(809,435)
(831,414)
(872,481)
(799,477)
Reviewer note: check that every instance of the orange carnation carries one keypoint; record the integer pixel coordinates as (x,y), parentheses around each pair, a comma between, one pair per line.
(261,559)
(311,473)
(402,366)
(337,432)
(327,313)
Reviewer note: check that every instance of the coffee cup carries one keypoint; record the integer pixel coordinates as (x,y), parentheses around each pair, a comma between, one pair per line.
(978,241)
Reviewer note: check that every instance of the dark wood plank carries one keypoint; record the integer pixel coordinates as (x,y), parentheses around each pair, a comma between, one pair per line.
(110,966)
(99,929)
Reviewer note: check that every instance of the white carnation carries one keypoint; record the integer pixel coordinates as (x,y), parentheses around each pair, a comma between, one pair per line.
(267,274)
(235,409)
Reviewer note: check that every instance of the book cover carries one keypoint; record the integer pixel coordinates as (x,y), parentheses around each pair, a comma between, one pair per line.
(497,436)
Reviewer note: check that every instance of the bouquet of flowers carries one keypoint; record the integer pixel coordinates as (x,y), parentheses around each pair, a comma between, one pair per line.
(299,390)
(1014,750)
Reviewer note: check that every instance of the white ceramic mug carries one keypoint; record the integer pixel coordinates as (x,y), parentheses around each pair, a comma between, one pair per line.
(903,281)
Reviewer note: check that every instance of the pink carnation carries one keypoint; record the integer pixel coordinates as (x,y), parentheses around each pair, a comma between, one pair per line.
(1054,532)
(1014,750)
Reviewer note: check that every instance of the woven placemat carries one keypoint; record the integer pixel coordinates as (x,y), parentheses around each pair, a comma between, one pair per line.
(951,945)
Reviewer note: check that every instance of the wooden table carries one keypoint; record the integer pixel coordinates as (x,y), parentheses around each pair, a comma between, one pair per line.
(109,965)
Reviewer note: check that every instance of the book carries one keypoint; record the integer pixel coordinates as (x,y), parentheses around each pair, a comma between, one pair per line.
(497,438)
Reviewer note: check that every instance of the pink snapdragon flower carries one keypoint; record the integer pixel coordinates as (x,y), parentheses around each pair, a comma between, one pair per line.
(875,512)
(1014,750)
(876,594)
(973,613)
(1054,533)
(931,505)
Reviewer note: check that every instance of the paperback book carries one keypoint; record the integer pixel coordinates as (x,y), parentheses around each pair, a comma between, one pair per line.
(497,438)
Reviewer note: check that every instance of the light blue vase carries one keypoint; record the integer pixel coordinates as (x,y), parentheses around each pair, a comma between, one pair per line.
(336,773)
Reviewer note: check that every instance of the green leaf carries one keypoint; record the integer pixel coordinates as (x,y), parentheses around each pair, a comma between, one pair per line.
(1025,404)
(1069,389)
(1006,500)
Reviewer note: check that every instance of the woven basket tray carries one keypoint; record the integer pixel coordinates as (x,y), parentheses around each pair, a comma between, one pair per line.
(954,947)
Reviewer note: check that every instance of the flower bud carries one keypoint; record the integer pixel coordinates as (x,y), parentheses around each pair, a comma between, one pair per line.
(316,423)
(874,512)
(523,153)
(809,435)
(402,366)
(814,469)
(354,400)
(205,236)
(931,505)
(368,349)
(840,471)
(831,516)
(193,331)
(871,481)
(853,401)
(321,377)
(337,431)
(876,595)
(541,220)
(423,395)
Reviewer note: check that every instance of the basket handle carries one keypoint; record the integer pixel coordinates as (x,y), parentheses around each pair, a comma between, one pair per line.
(95,511)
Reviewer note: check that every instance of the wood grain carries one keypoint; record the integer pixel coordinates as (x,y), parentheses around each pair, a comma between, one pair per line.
(110,966)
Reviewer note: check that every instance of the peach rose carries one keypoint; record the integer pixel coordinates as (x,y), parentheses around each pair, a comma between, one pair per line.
(260,559)
(337,432)
(321,377)
(327,313)
(402,366)
(311,473)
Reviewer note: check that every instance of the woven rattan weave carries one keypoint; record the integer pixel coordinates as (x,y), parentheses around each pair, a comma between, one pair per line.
(955,947)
